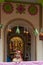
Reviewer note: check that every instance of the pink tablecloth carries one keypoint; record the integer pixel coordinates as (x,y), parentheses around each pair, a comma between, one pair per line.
(22,63)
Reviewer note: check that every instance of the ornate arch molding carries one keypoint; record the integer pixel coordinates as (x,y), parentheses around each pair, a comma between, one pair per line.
(26,21)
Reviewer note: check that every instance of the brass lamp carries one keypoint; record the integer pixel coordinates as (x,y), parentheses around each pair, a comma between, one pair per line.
(41,34)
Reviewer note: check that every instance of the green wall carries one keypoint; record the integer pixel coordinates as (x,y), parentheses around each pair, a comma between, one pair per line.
(40,1)
(1,0)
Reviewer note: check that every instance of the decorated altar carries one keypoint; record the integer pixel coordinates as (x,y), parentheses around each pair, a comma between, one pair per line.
(23,63)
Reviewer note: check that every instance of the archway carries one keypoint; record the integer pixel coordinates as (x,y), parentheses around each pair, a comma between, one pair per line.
(19,41)
(25,24)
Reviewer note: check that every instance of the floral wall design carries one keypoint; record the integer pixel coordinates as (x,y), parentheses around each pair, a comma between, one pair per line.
(8,8)
(20,8)
(33,10)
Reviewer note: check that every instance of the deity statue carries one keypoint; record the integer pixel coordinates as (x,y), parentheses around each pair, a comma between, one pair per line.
(17,56)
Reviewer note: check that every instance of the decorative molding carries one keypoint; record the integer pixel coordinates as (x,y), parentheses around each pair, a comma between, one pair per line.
(21,8)
(24,9)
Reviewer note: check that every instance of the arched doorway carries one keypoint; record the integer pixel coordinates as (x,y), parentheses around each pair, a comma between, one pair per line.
(19,41)
(22,25)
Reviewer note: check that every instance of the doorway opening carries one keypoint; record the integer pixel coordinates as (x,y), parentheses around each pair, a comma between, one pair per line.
(21,42)
(22,29)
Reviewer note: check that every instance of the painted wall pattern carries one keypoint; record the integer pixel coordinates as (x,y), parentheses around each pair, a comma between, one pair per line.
(29,9)
(32,9)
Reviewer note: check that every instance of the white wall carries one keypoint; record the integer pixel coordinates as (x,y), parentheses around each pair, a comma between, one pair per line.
(1,51)
(39,50)
(40,45)
(42,28)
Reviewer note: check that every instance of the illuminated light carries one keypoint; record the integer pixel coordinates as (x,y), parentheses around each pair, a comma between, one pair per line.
(41,36)
(9,30)
(26,31)
(41,32)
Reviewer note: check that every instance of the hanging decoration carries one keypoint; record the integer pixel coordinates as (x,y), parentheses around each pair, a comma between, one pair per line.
(32,9)
(8,8)
(18,30)
(26,30)
(41,34)
(1,25)
(35,32)
(20,8)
